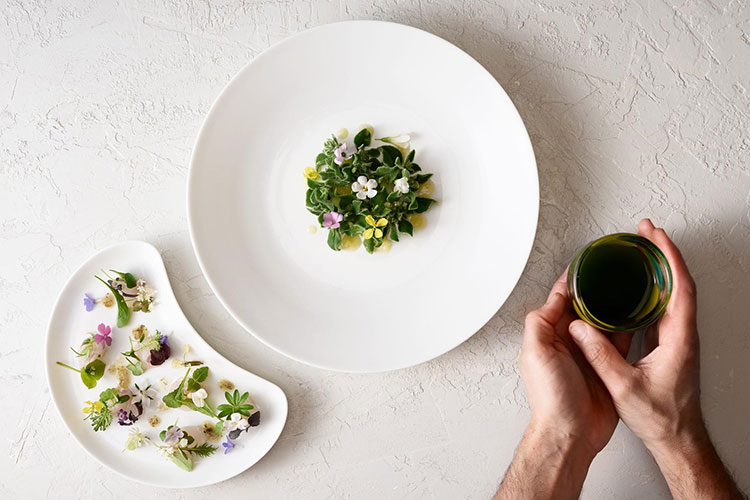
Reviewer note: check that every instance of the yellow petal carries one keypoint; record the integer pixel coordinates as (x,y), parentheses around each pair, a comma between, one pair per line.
(370,220)
(378,233)
(368,233)
(381,222)
(311,174)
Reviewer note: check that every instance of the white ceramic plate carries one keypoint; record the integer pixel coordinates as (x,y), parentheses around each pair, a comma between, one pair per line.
(354,311)
(68,327)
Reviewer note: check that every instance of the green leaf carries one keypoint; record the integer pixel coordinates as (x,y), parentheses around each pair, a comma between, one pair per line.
(108,394)
(192,385)
(123,313)
(172,400)
(422,178)
(394,232)
(369,245)
(219,427)
(390,154)
(393,196)
(135,368)
(405,227)
(379,199)
(200,374)
(130,280)
(410,158)
(320,160)
(423,204)
(92,372)
(183,461)
(334,239)
(162,435)
(312,184)
(357,206)
(363,138)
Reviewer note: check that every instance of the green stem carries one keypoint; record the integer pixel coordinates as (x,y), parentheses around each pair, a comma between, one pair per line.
(68,367)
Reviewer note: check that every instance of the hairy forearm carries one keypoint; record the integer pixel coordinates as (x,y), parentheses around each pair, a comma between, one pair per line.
(546,466)
(693,469)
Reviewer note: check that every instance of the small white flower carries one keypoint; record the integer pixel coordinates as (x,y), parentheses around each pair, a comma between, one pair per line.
(167,451)
(199,397)
(144,293)
(136,439)
(400,141)
(401,185)
(237,421)
(364,187)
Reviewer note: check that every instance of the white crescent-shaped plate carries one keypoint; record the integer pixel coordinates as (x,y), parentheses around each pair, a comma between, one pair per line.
(351,311)
(68,327)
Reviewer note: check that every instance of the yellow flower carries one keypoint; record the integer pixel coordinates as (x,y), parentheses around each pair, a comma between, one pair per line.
(311,174)
(375,227)
(95,407)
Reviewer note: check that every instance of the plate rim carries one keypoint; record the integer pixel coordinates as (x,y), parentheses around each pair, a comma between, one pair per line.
(47,372)
(203,131)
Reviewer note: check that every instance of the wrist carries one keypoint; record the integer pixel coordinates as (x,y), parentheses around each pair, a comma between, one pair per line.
(568,453)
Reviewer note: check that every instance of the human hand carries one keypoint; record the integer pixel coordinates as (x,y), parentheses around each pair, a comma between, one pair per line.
(658,397)
(568,400)
(572,414)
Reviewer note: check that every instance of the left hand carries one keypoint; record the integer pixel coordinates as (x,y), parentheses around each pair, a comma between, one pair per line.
(568,400)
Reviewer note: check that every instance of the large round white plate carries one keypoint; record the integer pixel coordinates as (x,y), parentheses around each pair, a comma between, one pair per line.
(68,326)
(354,311)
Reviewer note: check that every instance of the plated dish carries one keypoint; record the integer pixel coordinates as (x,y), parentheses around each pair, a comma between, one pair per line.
(138,387)
(354,311)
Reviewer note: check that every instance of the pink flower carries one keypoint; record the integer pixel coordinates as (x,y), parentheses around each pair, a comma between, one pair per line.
(103,337)
(332,220)
(343,153)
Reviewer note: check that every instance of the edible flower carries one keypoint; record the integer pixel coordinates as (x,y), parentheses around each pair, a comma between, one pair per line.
(401,185)
(332,220)
(374,227)
(136,439)
(364,187)
(199,397)
(400,141)
(228,445)
(103,337)
(344,153)
(173,435)
(88,302)
(93,407)
(236,422)
(311,173)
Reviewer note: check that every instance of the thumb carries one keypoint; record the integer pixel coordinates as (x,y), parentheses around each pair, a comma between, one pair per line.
(601,354)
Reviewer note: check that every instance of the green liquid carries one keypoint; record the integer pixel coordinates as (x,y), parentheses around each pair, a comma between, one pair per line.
(617,284)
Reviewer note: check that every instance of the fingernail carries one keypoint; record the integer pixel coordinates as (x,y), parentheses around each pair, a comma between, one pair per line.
(577,331)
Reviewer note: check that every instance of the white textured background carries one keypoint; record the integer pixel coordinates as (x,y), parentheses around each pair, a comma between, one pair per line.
(635,108)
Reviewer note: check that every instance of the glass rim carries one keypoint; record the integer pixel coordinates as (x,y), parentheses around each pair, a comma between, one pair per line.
(666,289)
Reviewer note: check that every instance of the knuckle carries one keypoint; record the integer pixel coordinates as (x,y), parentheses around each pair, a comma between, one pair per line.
(532,319)
(598,354)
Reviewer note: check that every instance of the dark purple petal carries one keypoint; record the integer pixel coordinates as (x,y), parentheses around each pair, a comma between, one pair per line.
(159,356)
(254,419)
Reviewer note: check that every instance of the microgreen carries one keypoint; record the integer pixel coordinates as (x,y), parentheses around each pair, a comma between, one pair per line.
(100,412)
(236,404)
(123,312)
(353,183)
(129,279)
(177,447)
(177,398)
(90,373)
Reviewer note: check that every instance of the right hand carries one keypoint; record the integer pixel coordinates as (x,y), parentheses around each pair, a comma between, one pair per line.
(658,397)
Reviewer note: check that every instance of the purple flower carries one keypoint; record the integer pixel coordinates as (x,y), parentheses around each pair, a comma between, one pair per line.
(173,435)
(126,418)
(228,445)
(163,340)
(103,337)
(344,153)
(88,302)
(332,220)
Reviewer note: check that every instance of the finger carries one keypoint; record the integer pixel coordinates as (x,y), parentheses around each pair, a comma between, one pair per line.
(602,355)
(560,286)
(622,341)
(682,280)
(540,323)
(682,306)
